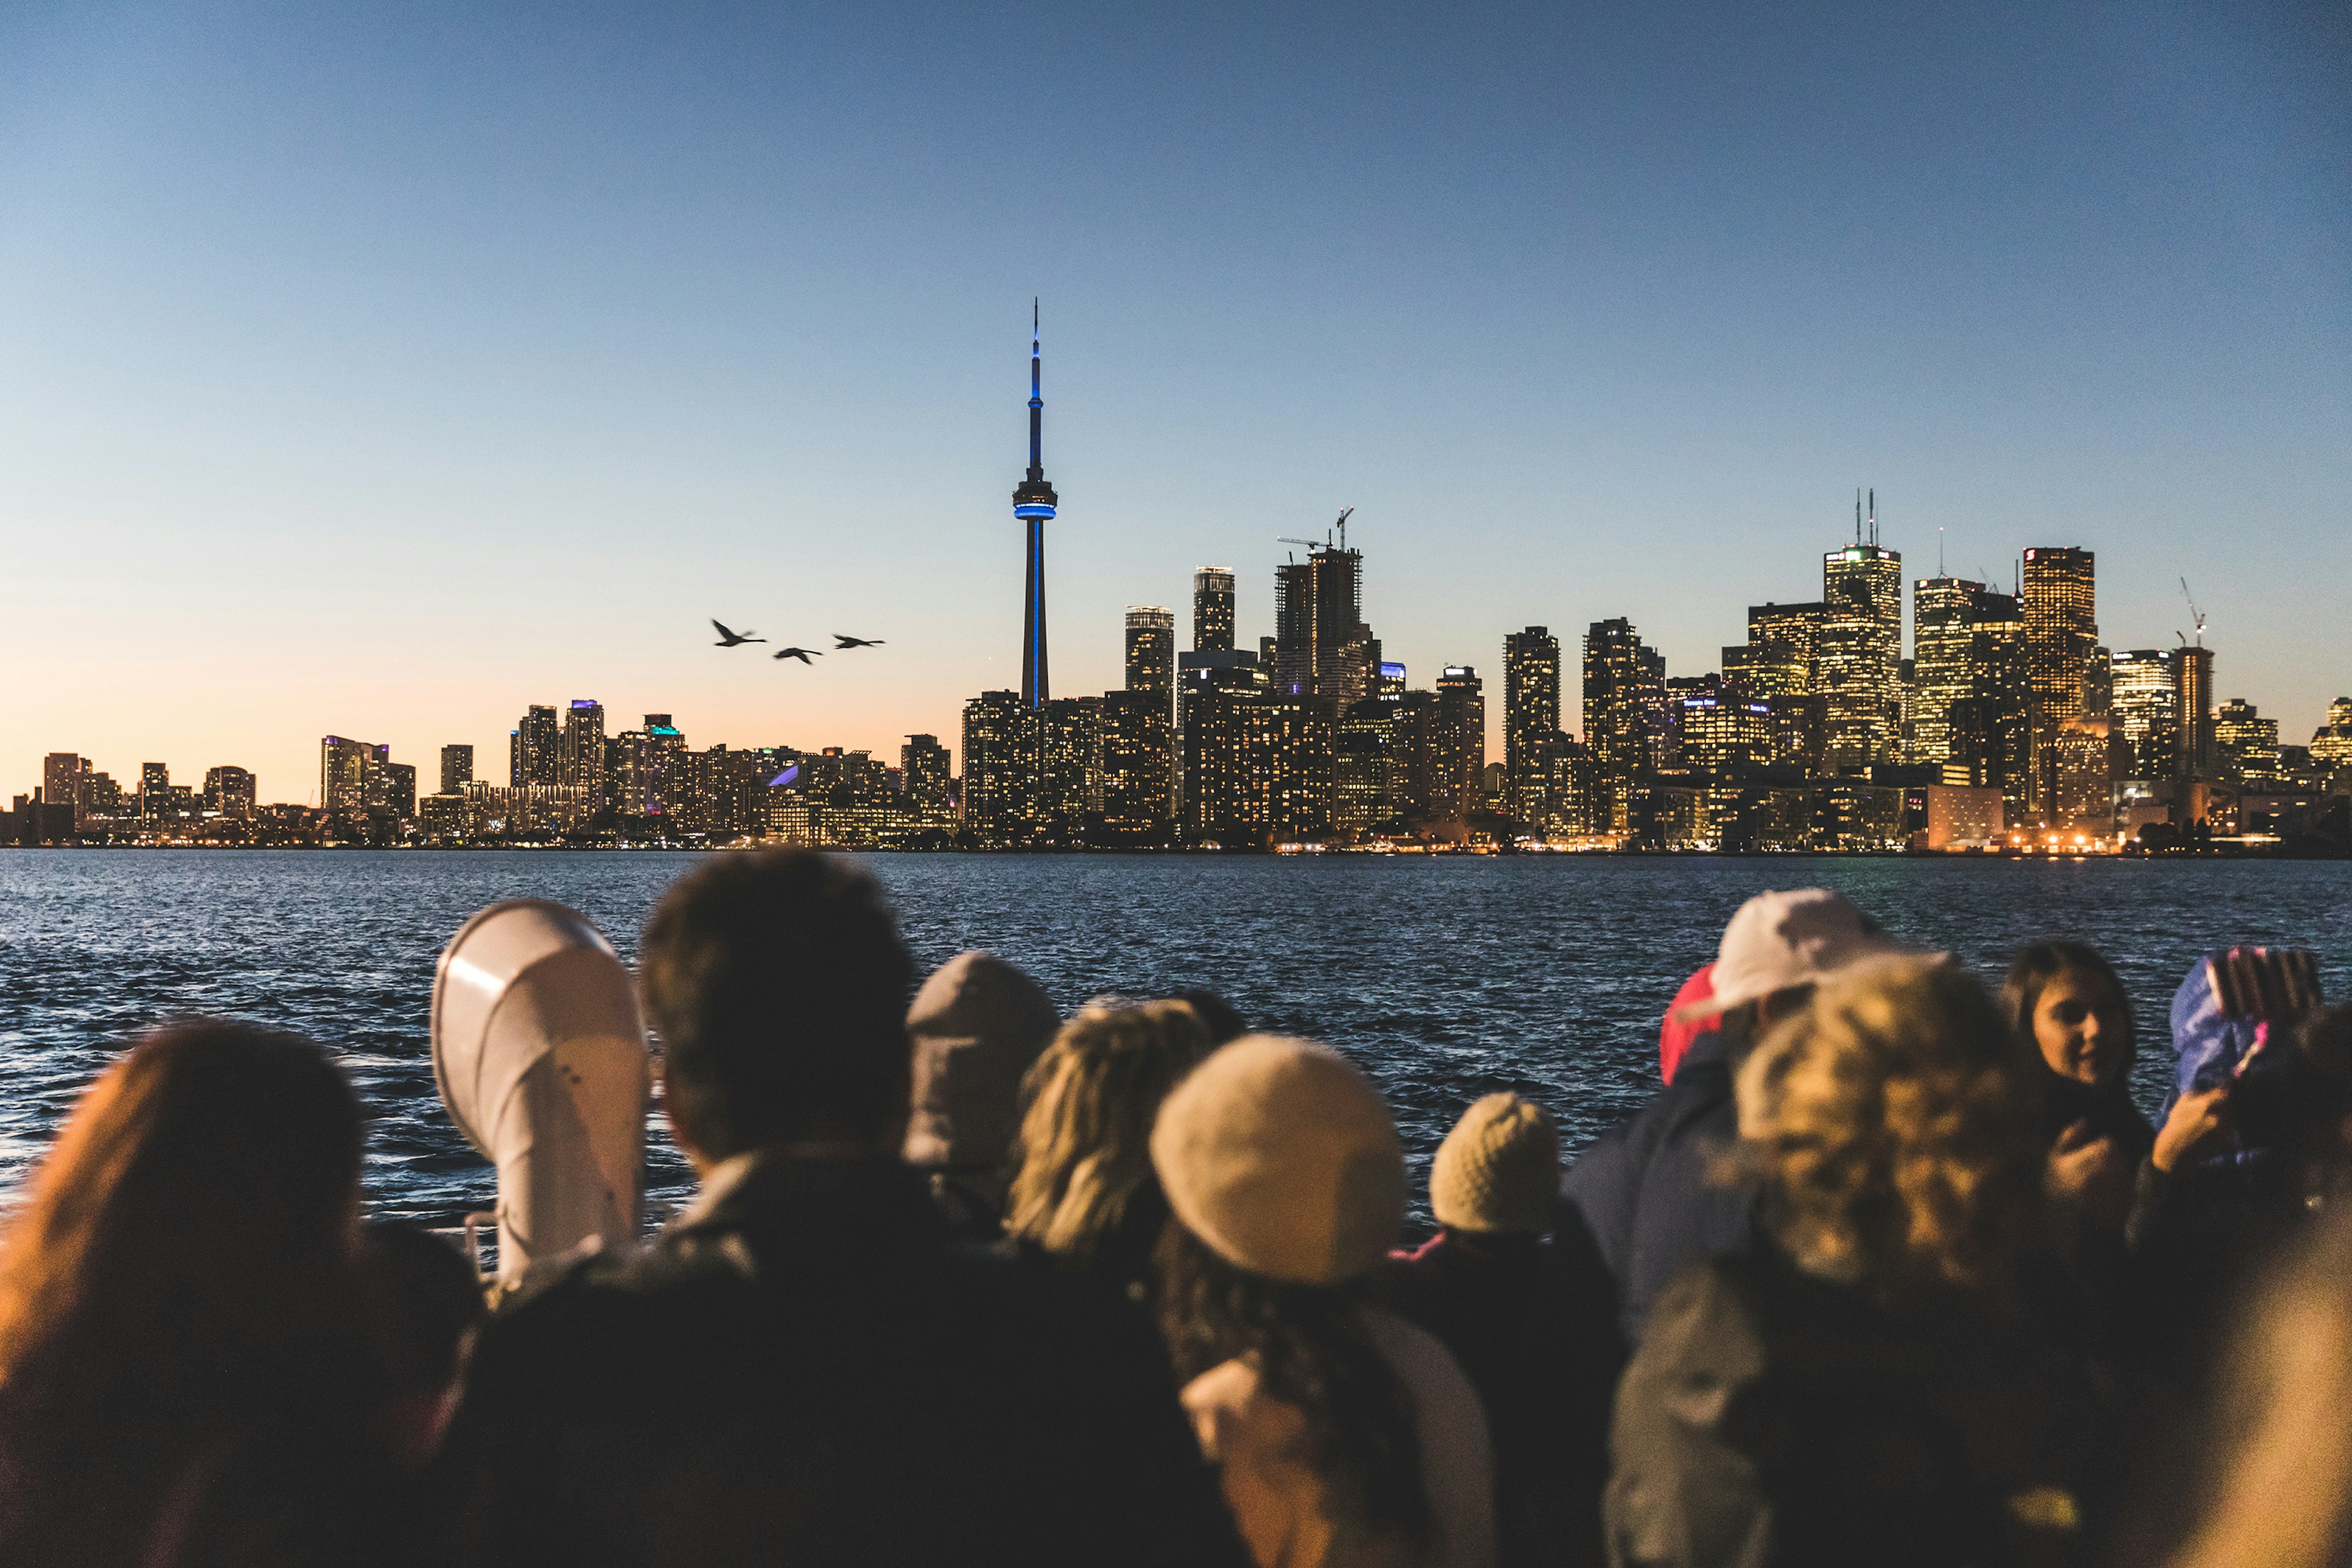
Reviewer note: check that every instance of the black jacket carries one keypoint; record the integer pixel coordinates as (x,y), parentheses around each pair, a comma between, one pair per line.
(1533,1325)
(1769,1417)
(1651,1190)
(811,1368)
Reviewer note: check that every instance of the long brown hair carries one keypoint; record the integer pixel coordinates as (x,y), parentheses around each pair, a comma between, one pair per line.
(180,1279)
(1085,1144)
(2036,965)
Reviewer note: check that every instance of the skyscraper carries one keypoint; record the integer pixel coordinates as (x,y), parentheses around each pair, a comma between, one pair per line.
(1623,680)
(1134,766)
(228,791)
(1150,649)
(348,770)
(535,749)
(1941,628)
(1990,734)
(456,769)
(1530,716)
(1033,503)
(155,790)
(2246,738)
(2061,627)
(1783,641)
(2144,706)
(923,767)
(581,766)
(2192,687)
(1212,609)
(61,782)
(1458,744)
(1322,646)
(1861,650)
(999,768)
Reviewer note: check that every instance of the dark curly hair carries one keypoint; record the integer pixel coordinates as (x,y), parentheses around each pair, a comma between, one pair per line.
(1309,1346)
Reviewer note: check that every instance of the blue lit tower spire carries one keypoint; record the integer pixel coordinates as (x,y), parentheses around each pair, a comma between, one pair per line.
(1033,503)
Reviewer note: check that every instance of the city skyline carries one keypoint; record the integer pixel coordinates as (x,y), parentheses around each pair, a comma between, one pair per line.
(371,375)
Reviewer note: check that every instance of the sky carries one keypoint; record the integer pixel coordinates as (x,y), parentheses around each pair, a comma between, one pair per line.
(380,370)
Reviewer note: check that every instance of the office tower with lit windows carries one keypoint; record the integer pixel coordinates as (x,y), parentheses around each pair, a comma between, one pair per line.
(228,793)
(1150,649)
(999,768)
(1990,727)
(155,790)
(350,770)
(1133,769)
(2144,706)
(1258,764)
(2248,739)
(456,769)
(2192,705)
(1783,644)
(2331,743)
(1365,760)
(1322,645)
(1033,502)
(62,774)
(1212,609)
(2061,627)
(1457,743)
(1857,663)
(1722,732)
(2084,777)
(1530,716)
(923,773)
(1624,680)
(1941,630)
(535,749)
(580,760)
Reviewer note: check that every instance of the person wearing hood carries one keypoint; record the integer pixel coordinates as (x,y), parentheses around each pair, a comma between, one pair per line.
(2067,1001)
(1653,1192)
(1532,1322)
(1344,1435)
(978,1024)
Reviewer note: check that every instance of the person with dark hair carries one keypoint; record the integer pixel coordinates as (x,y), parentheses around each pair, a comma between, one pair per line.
(1217,1015)
(978,1024)
(1651,1193)
(1531,1320)
(427,1305)
(1344,1435)
(1875,1383)
(810,1365)
(186,1375)
(2067,1001)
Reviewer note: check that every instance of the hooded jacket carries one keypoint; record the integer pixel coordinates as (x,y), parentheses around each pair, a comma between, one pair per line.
(977,1024)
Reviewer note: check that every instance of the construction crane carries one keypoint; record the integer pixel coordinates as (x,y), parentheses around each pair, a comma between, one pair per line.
(1324,542)
(2196,616)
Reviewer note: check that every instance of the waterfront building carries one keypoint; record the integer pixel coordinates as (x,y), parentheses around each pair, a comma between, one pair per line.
(348,773)
(1207,734)
(1457,743)
(2192,705)
(723,793)
(2249,741)
(580,762)
(2144,702)
(1390,681)
(2098,683)
(1941,630)
(1365,764)
(1321,645)
(392,787)
(923,765)
(62,776)
(1567,809)
(1150,649)
(1257,762)
(1783,642)
(2061,627)
(1796,721)
(1857,660)
(999,768)
(456,768)
(1133,767)
(1963,817)
(1624,682)
(1033,503)
(535,749)
(1990,728)
(1530,717)
(1722,732)
(2331,743)
(228,793)
(155,791)
(1067,789)
(2082,773)
(1212,609)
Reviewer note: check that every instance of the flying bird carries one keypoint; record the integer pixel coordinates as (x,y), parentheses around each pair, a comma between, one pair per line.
(734,639)
(840,642)
(799,653)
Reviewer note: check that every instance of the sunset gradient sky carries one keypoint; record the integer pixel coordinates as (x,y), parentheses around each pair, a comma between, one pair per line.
(381,370)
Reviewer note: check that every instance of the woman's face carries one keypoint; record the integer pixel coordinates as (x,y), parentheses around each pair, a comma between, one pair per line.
(2078,1022)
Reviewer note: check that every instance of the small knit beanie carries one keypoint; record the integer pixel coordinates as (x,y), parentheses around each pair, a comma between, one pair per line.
(1284,1159)
(1498,1170)
(977,1024)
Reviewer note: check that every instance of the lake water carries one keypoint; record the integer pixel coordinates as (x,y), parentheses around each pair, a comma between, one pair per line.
(1446,978)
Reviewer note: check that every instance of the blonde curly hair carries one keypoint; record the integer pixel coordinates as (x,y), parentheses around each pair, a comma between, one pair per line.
(1085,1143)
(1894,1125)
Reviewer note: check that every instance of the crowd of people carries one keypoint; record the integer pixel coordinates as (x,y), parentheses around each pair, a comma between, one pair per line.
(1891,1269)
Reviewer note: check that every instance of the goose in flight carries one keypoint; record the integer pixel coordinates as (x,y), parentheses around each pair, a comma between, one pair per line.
(840,642)
(799,653)
(733,639)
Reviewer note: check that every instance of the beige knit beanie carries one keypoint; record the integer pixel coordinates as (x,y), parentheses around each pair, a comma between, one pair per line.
(1498,1170)
(1284,1159)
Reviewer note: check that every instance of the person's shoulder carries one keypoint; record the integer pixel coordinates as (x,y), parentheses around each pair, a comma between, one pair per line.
(1716,1314)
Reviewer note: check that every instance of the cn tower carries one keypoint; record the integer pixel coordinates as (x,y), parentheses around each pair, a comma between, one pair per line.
(1033,503)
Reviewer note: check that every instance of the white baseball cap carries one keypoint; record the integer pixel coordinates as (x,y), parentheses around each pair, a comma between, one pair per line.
(1781,940)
